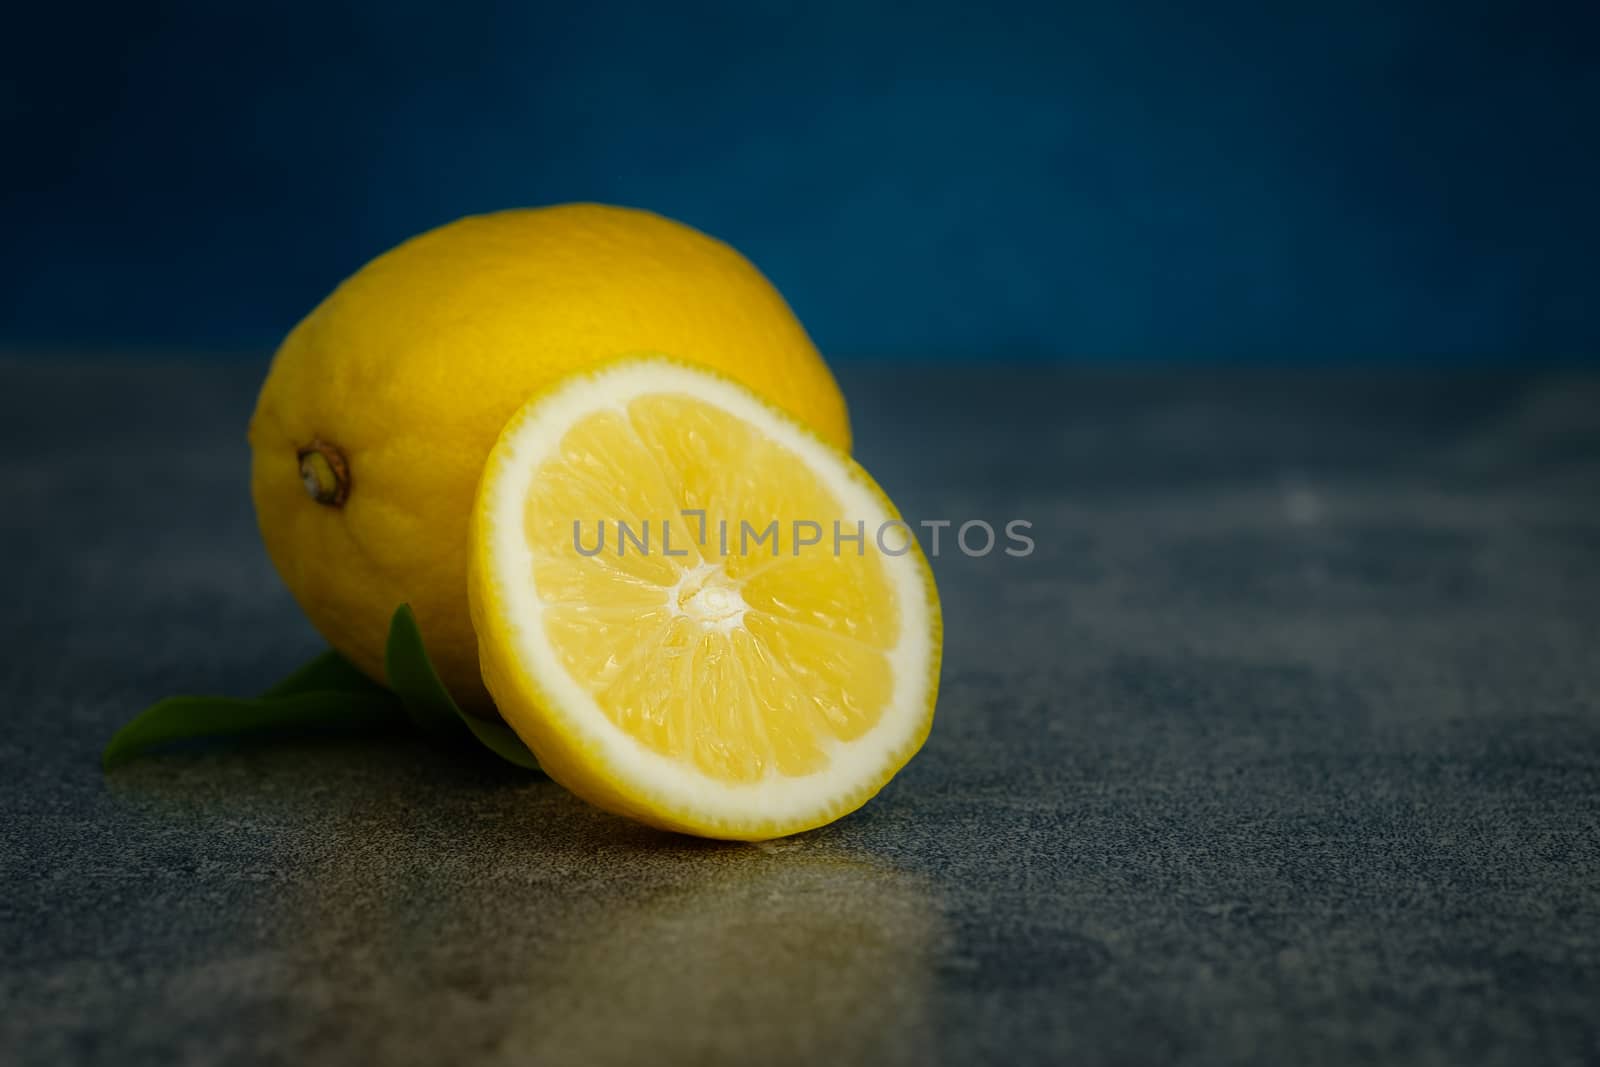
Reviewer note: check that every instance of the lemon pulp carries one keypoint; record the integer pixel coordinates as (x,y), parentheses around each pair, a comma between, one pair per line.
(693,610)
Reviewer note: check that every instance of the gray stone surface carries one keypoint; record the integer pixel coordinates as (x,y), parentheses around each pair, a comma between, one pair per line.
(1284,747)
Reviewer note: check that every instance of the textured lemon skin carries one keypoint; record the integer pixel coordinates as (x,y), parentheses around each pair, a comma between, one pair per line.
(412,366)
(580,766)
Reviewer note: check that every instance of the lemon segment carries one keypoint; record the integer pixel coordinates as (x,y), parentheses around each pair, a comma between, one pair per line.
(687,606)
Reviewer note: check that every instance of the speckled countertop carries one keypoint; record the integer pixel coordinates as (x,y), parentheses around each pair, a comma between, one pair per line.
(1283,747)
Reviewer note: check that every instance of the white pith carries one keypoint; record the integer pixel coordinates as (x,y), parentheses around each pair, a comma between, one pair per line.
(646,776)
(706,595)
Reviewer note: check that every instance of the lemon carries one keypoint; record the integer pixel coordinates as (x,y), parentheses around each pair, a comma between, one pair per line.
(693,610)
(381,406)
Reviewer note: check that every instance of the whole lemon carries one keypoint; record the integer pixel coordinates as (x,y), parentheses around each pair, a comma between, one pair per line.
(382,405)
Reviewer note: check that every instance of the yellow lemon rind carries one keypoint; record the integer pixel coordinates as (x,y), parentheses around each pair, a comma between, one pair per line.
(561,723)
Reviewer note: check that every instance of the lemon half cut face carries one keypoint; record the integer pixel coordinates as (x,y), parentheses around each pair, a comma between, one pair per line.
(693,610)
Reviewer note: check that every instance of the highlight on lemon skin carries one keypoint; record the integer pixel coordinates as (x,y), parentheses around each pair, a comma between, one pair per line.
(371,429)
(718,667)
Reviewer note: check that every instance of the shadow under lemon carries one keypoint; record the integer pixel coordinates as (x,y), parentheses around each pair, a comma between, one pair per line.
(406,906)
(780,957)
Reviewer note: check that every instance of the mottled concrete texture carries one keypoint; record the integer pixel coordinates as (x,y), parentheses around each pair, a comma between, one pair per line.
(1283,748)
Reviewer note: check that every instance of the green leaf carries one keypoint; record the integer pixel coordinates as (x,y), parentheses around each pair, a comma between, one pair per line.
(500,739)
(329,671)
(429,704)
(328,693)
(413,679)
(186,718)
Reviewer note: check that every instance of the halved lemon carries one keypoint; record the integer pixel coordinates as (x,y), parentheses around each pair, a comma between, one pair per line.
(695,612)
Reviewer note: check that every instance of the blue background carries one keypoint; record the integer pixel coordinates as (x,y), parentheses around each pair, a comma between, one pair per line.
(1138,180)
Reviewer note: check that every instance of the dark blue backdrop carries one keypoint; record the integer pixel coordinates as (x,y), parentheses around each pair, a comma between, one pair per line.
(1176,180)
